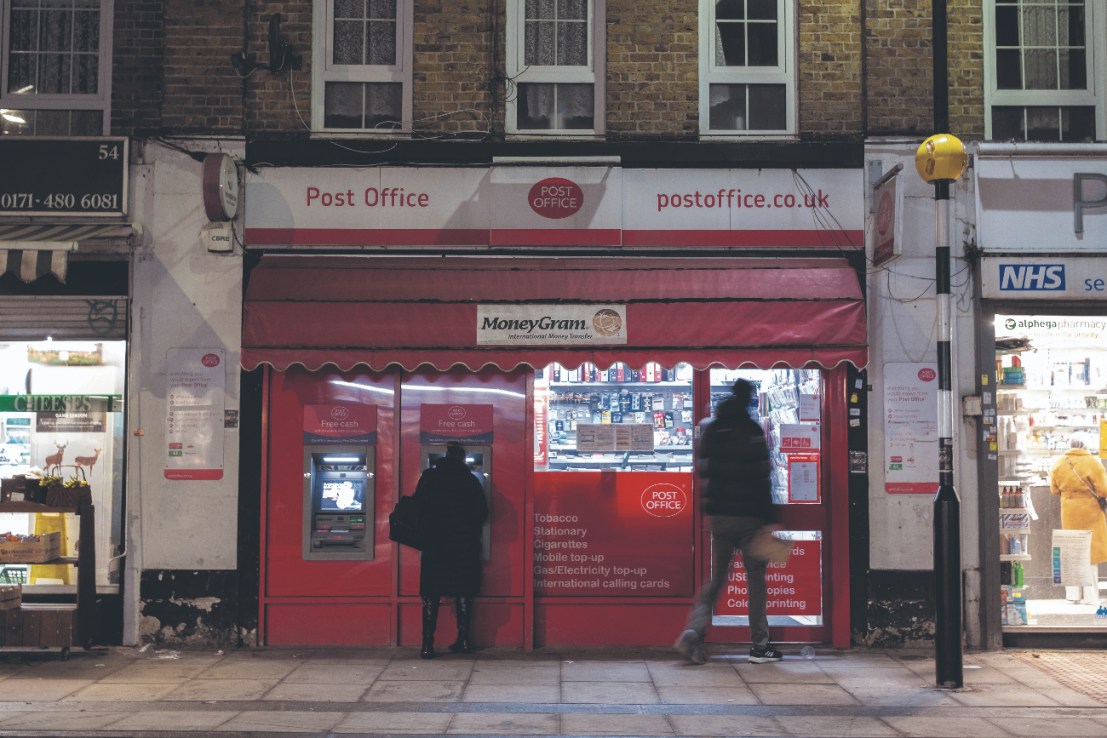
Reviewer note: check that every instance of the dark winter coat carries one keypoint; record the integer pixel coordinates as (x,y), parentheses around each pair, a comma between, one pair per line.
(453,510)
(734,464)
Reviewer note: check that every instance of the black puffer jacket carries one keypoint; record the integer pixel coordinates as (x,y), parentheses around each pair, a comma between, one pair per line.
(734,464)
(453,510)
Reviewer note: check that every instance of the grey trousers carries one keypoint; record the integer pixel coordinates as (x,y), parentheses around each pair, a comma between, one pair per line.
(727,535)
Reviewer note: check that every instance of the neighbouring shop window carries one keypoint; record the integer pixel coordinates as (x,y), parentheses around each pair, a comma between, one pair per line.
(1042,82)
(61,415)
(747,69)
(362,64)
(620,418)
(55,67)
(1051,407)
(555,66)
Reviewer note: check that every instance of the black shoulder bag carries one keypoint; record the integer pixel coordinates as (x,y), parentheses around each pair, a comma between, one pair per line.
(404,524)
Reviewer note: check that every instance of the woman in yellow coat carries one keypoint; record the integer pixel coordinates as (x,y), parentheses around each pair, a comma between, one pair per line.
(1078,477)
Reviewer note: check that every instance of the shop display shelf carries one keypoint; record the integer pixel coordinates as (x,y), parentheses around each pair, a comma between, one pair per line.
(57,625)
(1014,557)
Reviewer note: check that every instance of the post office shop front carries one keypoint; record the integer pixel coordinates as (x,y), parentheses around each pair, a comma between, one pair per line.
(576,384)
(586,451)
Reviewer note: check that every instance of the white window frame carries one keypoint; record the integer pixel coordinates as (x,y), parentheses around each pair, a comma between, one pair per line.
(519,73)
(324,71)
(784,73)
(100,101)
(1095,19)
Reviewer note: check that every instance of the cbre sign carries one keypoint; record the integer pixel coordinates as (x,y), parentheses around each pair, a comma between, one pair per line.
(64,176)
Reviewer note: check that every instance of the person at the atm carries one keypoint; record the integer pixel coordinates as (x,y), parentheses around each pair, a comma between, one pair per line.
(452,509)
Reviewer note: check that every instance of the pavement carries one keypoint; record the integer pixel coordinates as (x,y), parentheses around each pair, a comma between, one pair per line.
(501,692)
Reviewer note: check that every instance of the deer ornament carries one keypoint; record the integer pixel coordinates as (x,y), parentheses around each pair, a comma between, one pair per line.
(53,461)
(80,463)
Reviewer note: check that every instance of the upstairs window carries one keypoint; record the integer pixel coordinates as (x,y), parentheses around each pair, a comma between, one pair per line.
(555,62)
(747,70)
(362,66)
(1042,78)
(55,67)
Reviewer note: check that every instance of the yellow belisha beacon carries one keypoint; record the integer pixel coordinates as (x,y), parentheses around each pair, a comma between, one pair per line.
(941,157)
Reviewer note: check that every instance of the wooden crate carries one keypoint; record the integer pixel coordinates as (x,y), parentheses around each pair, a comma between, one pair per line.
(39,625)
(11,596)
(46,548)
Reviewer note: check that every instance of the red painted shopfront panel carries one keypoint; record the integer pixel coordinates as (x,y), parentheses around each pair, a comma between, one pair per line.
(613,557)
(327,624)
(287,574)
(609,534)
(426,399)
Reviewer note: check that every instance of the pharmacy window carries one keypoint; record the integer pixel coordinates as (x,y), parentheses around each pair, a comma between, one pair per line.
(55,67)
(361,63)
(1042,78)
(555,67)
(747,69)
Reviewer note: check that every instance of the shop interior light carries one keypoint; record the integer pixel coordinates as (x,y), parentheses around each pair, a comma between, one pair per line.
(341,459)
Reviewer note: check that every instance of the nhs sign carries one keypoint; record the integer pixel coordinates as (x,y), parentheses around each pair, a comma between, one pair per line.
(1031,277)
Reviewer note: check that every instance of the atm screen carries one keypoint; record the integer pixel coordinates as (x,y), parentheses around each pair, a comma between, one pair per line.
(343,495)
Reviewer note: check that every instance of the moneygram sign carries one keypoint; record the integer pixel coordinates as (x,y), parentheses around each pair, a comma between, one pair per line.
(551,325)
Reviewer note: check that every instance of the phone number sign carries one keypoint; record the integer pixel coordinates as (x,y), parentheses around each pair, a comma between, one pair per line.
(64,176)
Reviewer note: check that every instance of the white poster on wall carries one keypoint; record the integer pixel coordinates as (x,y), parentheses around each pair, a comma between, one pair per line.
(195,397)
(910,429)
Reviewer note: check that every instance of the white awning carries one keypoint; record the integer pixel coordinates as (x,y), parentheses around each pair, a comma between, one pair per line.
(33,250)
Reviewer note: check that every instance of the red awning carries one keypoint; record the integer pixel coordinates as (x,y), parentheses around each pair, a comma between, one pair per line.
(348,311)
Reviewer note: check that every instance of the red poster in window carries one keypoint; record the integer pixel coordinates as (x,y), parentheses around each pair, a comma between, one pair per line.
(803,478)
(794,588)
(609,534)
(465,423)
(346,423)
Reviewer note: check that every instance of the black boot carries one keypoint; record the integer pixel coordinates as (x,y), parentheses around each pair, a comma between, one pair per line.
(464,620)
(430,620)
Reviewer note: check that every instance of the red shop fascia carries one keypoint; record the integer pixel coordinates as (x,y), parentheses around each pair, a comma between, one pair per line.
(390,309)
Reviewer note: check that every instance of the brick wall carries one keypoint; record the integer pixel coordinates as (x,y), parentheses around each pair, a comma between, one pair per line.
(864,66)
(137,59)
(456,76)
(966,69)
(652,69)
(900,64)
(202,93)
(829,56)
(278,102)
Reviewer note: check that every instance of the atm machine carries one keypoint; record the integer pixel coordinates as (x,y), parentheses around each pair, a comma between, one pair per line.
(338,502)
(479,461)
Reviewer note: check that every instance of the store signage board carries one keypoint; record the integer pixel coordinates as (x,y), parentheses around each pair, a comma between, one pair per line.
(343,423)
(1053,331)
(1041,204)
(461,423)
(61,403)
(551,325)
(64,176)
(317,207)
(1044,277)
(610,438)
(794,589)
(613,535)
(887,231)
(910,429)
(196,398)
